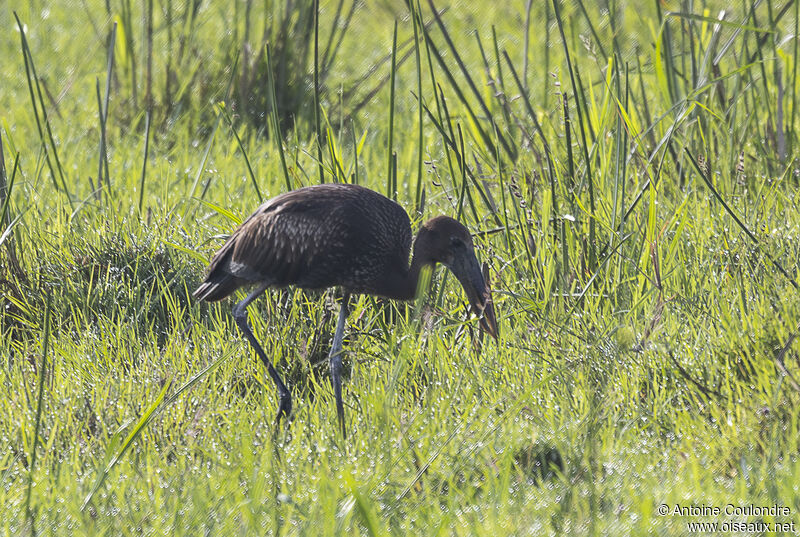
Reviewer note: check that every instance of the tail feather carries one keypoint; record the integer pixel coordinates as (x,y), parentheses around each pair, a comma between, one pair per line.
(217,286)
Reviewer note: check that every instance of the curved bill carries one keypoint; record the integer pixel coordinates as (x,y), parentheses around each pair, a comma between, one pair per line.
(468,272)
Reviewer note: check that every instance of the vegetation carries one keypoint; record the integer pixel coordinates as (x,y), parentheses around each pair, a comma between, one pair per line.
(630,171)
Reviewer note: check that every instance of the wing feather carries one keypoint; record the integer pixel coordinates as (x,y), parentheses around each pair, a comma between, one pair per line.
(316,237)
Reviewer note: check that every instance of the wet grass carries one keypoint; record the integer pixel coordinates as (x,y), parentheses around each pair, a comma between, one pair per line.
(632,182)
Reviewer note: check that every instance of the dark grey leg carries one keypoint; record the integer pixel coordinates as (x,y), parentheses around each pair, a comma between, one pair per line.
(240,315)
(335,358)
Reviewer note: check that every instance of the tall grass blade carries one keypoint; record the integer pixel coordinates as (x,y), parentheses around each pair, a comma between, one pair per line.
(497,84)
(667,57)
(509,148)
(148,94)
(317,103)
(223,111)
(506,223)
(418,193)
(144,159)
(128,47)
(591,23)
(144,420)
(570,183)
(764,37)
(702,75)
(391,188)
(6,185)
(29,516)
(584,144)
(103,113)
(462,157)
(337,168)
(6,189)
(735,217)
(101,154)
(547,41)
(526,42)
(155,408)
(434,52)
(790,126)
(201,168)
(276,126)
(332,34)
(364,510)
(30,73)
(532,115)
(620,143)
(209,145)
(356,149)
(200,375)
(450,145)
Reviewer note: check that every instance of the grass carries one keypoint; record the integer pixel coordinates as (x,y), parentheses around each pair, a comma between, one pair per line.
(632,182)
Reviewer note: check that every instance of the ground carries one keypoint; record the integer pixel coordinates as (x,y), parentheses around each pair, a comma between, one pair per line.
(629,172)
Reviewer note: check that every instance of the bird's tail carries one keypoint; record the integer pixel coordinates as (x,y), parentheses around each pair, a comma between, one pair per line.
(217,286)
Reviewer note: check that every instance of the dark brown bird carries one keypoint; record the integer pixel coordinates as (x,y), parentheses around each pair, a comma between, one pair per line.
(339,235)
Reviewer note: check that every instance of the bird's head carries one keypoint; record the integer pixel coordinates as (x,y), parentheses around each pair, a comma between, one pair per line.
(444,240)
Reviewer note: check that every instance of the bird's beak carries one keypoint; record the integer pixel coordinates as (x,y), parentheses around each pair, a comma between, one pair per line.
(468,272)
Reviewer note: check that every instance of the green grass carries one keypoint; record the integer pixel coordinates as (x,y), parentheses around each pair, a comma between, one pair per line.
(633,184)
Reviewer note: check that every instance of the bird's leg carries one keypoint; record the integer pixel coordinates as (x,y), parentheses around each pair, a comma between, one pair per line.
(240,315)
(335,358)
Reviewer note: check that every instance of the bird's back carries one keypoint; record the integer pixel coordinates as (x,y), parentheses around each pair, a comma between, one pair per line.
(314,237)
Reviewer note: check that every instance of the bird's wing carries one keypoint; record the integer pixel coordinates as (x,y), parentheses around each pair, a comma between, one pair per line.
(279,241)
(318,236)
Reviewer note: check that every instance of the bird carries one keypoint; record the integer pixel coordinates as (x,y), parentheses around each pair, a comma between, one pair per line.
(339,235)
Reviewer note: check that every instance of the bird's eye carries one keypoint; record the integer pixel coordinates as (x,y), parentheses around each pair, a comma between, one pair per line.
(455,242)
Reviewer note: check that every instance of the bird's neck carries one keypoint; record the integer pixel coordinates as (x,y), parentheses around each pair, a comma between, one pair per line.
(404,285)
